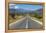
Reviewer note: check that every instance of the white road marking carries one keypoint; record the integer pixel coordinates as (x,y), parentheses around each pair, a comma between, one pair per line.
(27,24)
(36,20)
(16,21)
(26,21)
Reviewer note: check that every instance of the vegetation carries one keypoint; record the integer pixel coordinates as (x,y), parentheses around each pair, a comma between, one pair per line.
(16,17)
(35,15)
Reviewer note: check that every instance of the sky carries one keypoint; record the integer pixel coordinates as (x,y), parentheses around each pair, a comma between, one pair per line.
(25,6)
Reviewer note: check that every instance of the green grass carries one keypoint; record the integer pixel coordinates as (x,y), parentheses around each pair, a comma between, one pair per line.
(40,18)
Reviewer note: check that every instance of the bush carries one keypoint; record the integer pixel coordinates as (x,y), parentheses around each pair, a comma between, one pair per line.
(37,16)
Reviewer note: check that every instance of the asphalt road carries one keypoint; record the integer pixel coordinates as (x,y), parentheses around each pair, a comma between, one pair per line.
(25,23)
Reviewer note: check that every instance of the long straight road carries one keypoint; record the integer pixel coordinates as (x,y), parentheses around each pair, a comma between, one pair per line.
(25,23)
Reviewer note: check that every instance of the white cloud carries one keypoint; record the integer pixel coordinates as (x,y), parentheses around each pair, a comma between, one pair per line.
(16,7)
(11,5)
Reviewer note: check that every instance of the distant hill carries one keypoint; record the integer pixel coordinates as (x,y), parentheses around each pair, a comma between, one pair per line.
(11,11)
(39,11)
(24,11)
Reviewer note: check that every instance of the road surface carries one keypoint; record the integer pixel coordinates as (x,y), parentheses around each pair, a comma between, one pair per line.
(25,23)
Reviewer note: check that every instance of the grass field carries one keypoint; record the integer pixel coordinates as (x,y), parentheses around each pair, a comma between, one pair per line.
(17,17)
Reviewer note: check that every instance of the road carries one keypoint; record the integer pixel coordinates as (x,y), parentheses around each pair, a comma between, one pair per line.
(25,23)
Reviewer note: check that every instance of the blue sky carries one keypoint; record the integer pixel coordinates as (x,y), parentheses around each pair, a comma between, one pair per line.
(25,6)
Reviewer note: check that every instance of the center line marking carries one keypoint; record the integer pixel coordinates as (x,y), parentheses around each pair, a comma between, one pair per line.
(27,23)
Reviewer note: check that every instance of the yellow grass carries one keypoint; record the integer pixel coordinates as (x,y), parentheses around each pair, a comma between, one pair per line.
(11,20)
